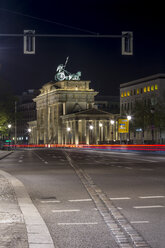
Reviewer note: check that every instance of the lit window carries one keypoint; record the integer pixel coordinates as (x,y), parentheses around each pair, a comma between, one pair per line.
(156,87)
(137,91)
(145,89)
(148,88)
(128,93)
(125,94)
(122,95)
(152,88)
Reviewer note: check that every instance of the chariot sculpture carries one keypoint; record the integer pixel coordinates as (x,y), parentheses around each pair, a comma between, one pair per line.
(63,74)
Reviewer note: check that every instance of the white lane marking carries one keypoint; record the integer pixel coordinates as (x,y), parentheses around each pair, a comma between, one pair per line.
(20,161)
(147,160)
(80,200)
(51,201)
(65,210)
(146,169)
(46,162)
(151,196)
(129,168)
(119,198)
(152,206)
(139,222)
(125,154)
(76,223)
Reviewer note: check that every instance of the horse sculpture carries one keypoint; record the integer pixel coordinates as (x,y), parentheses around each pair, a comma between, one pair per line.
(63,74)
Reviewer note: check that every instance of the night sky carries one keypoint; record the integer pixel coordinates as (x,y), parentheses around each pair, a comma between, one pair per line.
(99,60)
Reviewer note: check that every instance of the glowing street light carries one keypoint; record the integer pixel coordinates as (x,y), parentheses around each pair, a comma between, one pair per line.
(69,134)
(129,118)
(112,123)
(9,126)
(91,127)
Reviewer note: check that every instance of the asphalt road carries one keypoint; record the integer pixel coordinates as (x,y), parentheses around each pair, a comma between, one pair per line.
(95,199)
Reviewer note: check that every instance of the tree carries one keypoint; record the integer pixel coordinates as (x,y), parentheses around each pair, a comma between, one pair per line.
(7,105)
(150,115)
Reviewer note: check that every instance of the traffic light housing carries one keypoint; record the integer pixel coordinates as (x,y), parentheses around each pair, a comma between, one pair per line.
(127,43)
(29,42)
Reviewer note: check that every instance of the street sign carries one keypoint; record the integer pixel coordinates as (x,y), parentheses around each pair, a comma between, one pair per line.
(123,125)
(8,141)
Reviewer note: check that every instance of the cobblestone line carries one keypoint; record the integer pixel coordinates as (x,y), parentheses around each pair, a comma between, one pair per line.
(125,234)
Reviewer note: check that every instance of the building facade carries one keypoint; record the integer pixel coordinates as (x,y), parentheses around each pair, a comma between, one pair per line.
(149,90)
(66,115)
(26,110)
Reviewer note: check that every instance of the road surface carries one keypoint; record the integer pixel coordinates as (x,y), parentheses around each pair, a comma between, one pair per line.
(95,199)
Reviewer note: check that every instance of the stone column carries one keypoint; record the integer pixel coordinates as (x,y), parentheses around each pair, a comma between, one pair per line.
(87,132)
(52,120)
(59,123)
(83,131)
(97,132)
(109,129)
(72,132)
(76,132)
(64,108)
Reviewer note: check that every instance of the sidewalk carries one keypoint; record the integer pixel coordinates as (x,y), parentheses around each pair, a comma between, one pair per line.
(13,232)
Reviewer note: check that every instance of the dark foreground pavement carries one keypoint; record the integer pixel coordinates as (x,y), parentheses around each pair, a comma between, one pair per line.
(12,226)
(86,198)
(21,225)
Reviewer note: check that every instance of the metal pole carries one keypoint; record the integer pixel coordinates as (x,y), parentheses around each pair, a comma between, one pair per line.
(64,35)
(15,141)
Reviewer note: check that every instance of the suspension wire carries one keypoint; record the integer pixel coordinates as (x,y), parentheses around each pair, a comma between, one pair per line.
(49,21)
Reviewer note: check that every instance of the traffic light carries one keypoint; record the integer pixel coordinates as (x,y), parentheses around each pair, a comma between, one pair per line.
(127,43)
(29,41)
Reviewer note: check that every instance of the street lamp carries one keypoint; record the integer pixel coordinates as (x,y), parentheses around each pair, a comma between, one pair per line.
(29,131)
(152,124)
(68,130)
(91,137)
(9,127)
(91,127)
(129,118)
(112,123)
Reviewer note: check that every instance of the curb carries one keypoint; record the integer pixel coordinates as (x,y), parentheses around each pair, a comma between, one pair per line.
(5,155)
